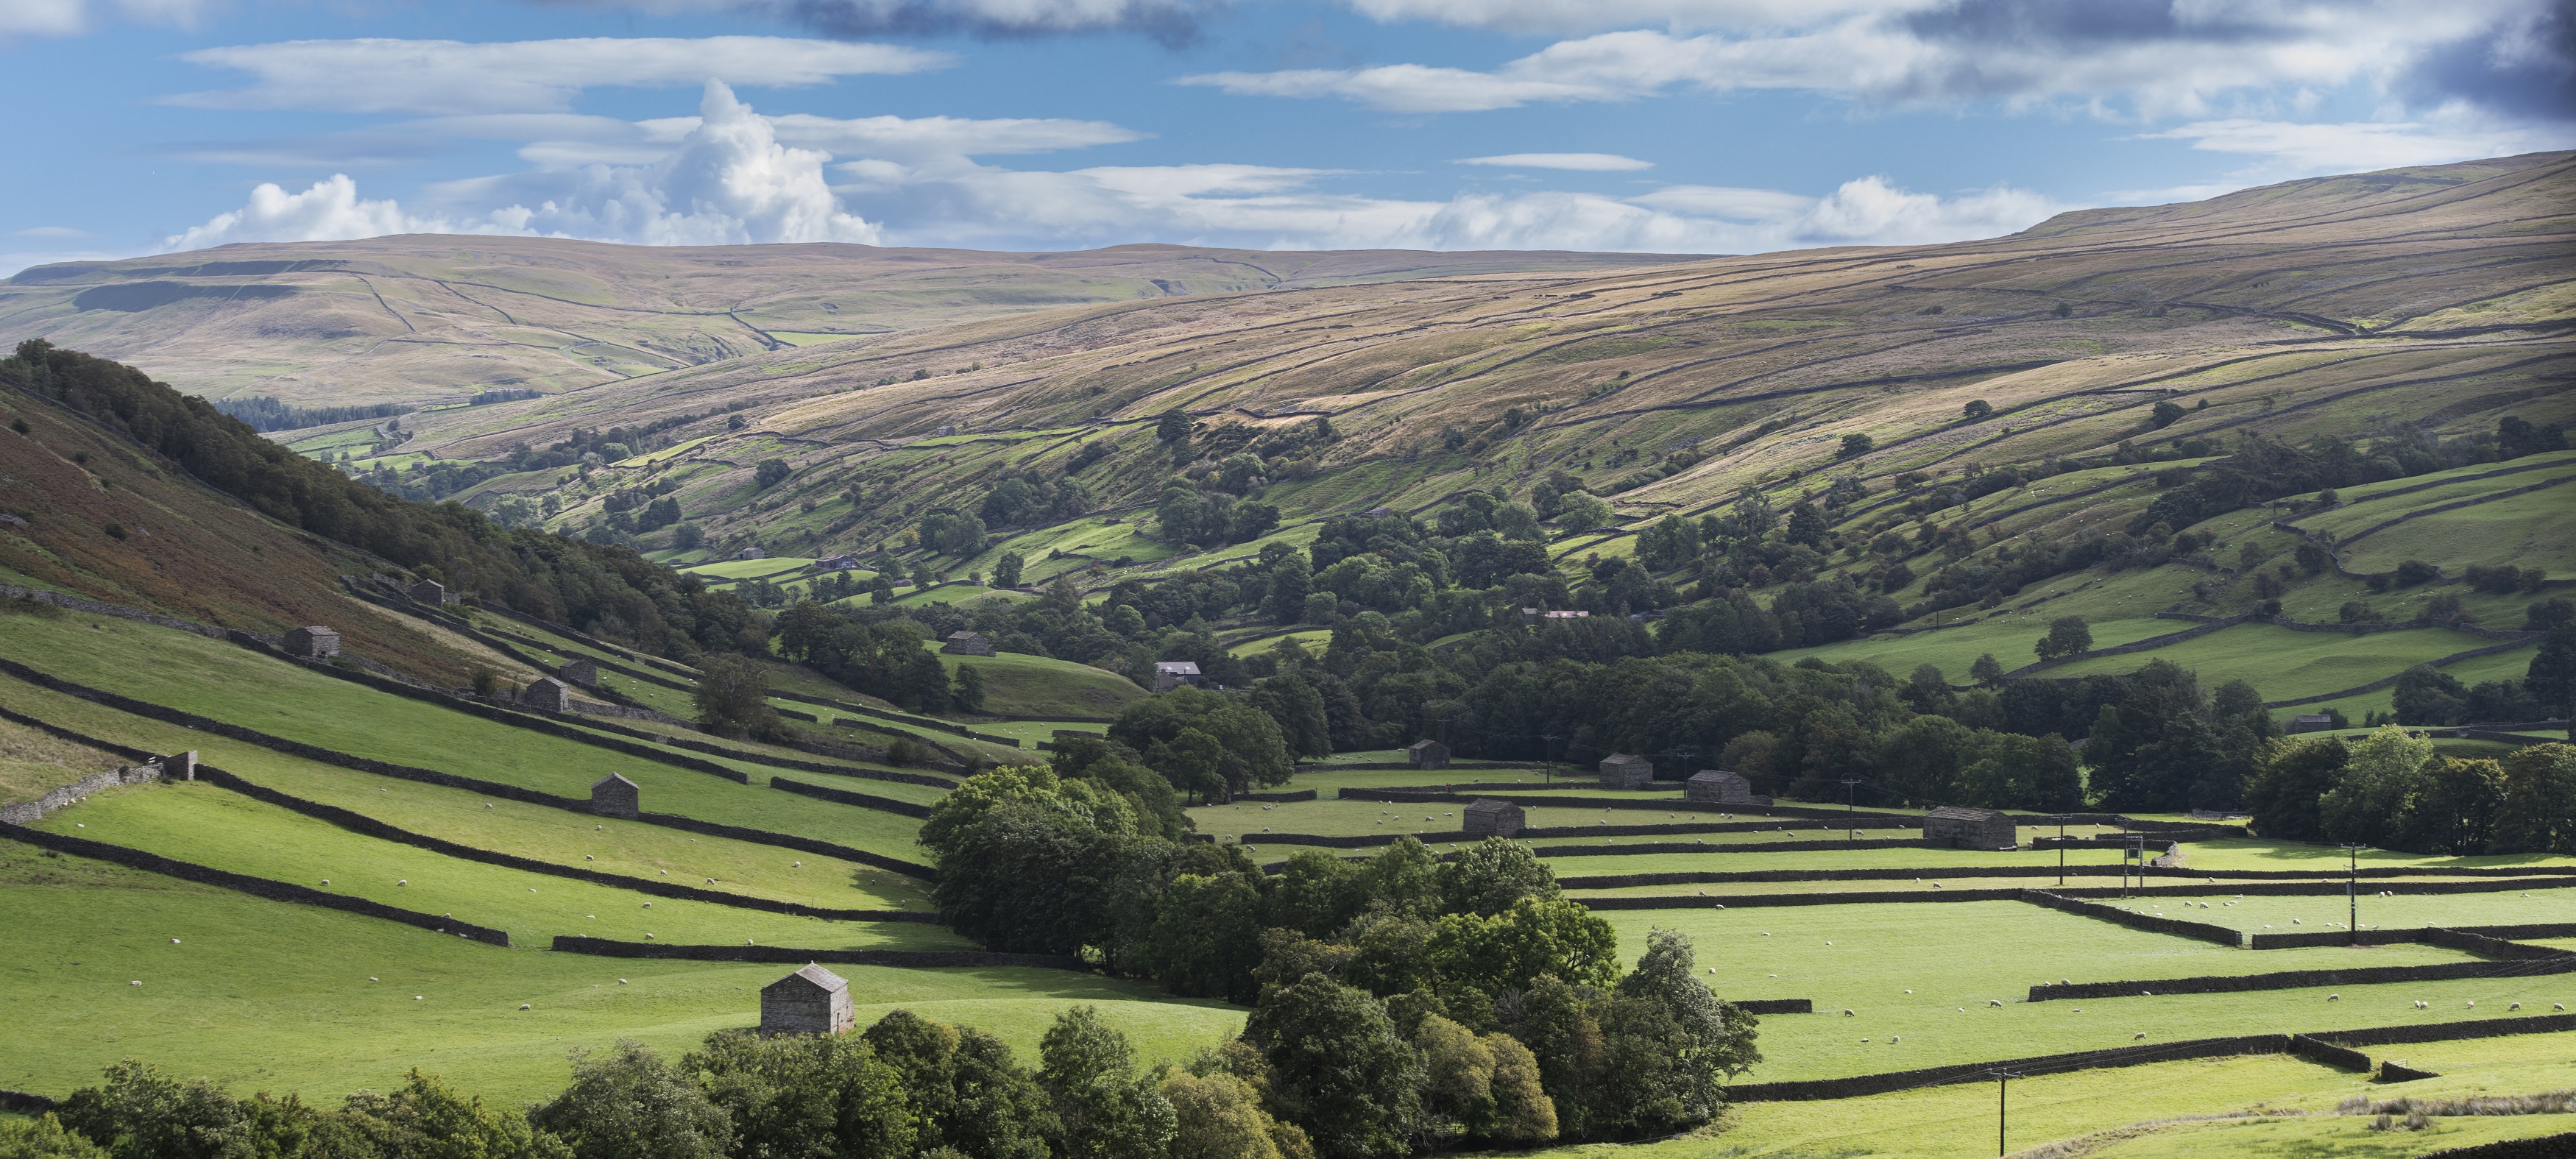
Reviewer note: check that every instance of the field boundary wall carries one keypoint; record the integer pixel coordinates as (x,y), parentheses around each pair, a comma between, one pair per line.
(23,1103)
(843,796)
(368,826)
(2557,1146)
(30,812)
(2561,963)
(496,789)
(789,955)
(255,886)
(2198,931)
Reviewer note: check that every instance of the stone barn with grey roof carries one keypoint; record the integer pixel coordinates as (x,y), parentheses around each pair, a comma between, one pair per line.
(1719,787)
(1487,817)
(313,642)
(615,796)
(810,1001)
(1427,754)
(1966,828)
(583,671)
(1627,771)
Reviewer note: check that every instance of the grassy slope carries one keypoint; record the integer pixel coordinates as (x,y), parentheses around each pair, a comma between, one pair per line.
(1018,685)
(233,684)
(32,762)
(212,826)
(268,996)
(533,831)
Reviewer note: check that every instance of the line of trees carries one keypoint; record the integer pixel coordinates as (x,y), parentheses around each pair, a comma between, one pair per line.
(1402,1004)
(2392,791)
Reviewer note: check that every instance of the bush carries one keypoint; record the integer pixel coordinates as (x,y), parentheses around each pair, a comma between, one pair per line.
(770,473)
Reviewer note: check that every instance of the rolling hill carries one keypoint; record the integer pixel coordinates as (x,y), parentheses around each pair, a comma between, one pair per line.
(419,319)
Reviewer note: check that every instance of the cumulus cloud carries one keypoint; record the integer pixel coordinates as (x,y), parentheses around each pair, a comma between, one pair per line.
(1577,162)
(448,76)
(727,181)
(2157,57)
(1171,21)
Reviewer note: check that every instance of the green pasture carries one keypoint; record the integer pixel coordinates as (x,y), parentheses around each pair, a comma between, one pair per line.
(2531,530)
(217,827)
(262,995)
(2259,914)
(1956,958)
(230,683)
(743,569)
(2160,1110)
(2224,856)
(1954,650)
(2529,468)
(574,839)
(1311,639)
(1023,685)
(2283,664)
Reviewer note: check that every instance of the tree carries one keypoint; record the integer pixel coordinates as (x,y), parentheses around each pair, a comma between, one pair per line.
(44,1137)
(770,473)
(963,1088)
(1218,1116)
(629,1103)
(1247,746)
(1855,445)
(1338,1068)
(1581,511)
(1006,570)
(1103,1110)
(1675,1057)
(1173,427)
(2369,803)
(806,1095)
(1987,671)
(1977,410)
(1207,937)
(2165,413)
(2551,678)
(1534,937)
(2289,777)
(2067,636)
(732,698)
(1492,875)
(2538,813)
(968,691)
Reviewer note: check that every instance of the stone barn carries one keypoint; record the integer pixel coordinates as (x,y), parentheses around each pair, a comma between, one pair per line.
(1719,787)
(1966,828)
(313,642)
(615,796)
(430,592)
(968,644)
(1626,771)
(1171,674)
(547,693)
(1427,754)
(2311,722)
(810,1001)
(581,671)
(1487,817)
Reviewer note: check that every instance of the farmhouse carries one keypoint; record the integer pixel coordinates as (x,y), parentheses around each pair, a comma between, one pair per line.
(1719,787)
(313,642)
(581,671)
(1171,674)
(615,796)
(1427,754)
(1487,817)
(547,693)
(1626,771)
(1966,828)
(838,563)
(810,1001)
(968,644)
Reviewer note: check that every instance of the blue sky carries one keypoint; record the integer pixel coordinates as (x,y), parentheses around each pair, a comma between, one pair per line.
(1663,125)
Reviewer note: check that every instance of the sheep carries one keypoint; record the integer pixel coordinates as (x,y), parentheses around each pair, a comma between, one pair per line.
(1994,1002)
(587,857)
(523,1006)
(1848,1014)
(2515,1006)
(2334,997)
(2138,1037)
(136,982)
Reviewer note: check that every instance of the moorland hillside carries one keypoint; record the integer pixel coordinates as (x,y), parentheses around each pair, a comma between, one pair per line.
(403,321)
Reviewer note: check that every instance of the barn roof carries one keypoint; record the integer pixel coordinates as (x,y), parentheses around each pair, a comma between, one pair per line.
(1965,813)
(1489,805)
(815,976)
(610,779)
(1716,776)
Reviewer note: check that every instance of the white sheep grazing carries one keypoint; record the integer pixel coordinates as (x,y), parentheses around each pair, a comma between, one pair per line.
(2138,1036)
(2334,997)
(2515,1006)
(1847,1014)
(1994,1001)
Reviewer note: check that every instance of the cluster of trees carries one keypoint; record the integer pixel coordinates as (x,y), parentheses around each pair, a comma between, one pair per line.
(2391,790)
(269,413)
(1210,517)
(2260,470)
(606,591)
(907,1087)
(2428,696)
(1024,497)
(1400,1004)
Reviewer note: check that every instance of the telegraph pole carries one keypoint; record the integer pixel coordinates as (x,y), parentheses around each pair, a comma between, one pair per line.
(2061,849)
(1848,812)
(2352,892)
(2000,1077)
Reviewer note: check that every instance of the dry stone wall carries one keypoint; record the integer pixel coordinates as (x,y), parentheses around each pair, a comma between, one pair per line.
(604,947)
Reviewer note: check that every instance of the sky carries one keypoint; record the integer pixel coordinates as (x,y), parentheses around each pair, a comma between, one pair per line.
(1676,126)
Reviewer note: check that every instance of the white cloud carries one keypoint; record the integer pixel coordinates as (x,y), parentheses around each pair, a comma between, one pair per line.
(728,181)
(1573,16)
(2347,147)
(330,211)
(1726,202)
(51,231)
(2179,58)
(1171,20)
(1577,162)
(448,76)
(72,17)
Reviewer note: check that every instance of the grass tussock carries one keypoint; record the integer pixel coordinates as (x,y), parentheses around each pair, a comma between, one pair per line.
(2544,1103)
(32,762)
